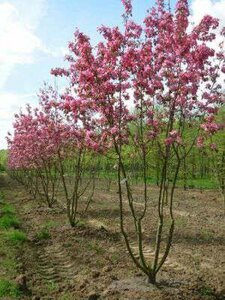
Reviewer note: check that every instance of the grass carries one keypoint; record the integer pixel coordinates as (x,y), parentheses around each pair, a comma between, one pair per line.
(8,289)
(66,297)
(181,222)
(207,291)
(9,264)
(15,236)
(198,183)
(93,246)
(207,235)
(7,216)
(10,239)
(8,220)
(115,257)
(52,286)
(7,209)
(2,195)
(44,234)
(51,224)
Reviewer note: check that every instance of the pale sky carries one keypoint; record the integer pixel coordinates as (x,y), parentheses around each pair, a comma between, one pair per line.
(34,35)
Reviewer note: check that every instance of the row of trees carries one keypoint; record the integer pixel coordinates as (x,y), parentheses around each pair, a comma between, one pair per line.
(167,70)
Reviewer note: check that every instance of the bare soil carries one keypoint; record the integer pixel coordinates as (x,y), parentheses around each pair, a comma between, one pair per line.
(91,262)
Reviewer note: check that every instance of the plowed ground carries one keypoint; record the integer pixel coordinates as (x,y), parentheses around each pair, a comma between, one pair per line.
(91,262)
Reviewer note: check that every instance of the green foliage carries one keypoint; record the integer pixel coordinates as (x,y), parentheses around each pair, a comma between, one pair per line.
(8,209)
(10,239)
(3,159)
(94,246)
(207,291)
(8,289)
(44,234)
(200,183)
(9,263)
(15,236)
(7,215)
(8,220)
(50,224)
(52,286)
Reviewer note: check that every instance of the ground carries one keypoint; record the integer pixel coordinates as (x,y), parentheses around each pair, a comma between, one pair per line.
(91,262)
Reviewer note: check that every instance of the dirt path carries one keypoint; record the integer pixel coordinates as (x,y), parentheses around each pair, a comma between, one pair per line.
(90,262)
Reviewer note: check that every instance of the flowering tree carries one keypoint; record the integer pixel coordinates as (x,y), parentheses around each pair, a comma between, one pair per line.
(80,114)
(49,143)
(75,159)
(168,70)
(212,141)
(38,136)
(18,158)
(164,68)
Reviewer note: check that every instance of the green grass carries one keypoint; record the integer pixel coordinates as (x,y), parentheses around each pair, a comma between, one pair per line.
(181,222)
(52,286)
(9,264)
(8,289)
(115,257)
(93,246)
(7,216)
(50,224)
(207,291)
(10,239)
(198,183)
(8,220)
(44,234)
(7,209)
(2,197)
(207,235)
(15,236)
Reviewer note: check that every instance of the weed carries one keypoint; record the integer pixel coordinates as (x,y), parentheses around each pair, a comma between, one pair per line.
(8,220)
(15,236)
(9,264)
(52,286)
(44,234)
(93,246)
(207,235)
(8,209)
(206,291)
(2,196)
(115,257)
(50,224)
(181,222)
(8,289)
(82,224)
(197,262)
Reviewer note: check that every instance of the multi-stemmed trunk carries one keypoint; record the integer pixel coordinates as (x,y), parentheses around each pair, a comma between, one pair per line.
(74,197)
(48,179)
(152,268)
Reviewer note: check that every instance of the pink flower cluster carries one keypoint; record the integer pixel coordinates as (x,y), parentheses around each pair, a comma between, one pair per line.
(160,66)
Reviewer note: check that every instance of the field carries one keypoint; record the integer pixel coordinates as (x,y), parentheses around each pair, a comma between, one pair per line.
(51,260)
(112,185)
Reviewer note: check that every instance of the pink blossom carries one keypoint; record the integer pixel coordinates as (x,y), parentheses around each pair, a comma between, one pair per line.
(128,6)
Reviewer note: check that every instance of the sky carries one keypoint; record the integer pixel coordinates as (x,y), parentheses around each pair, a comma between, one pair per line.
(34,35)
